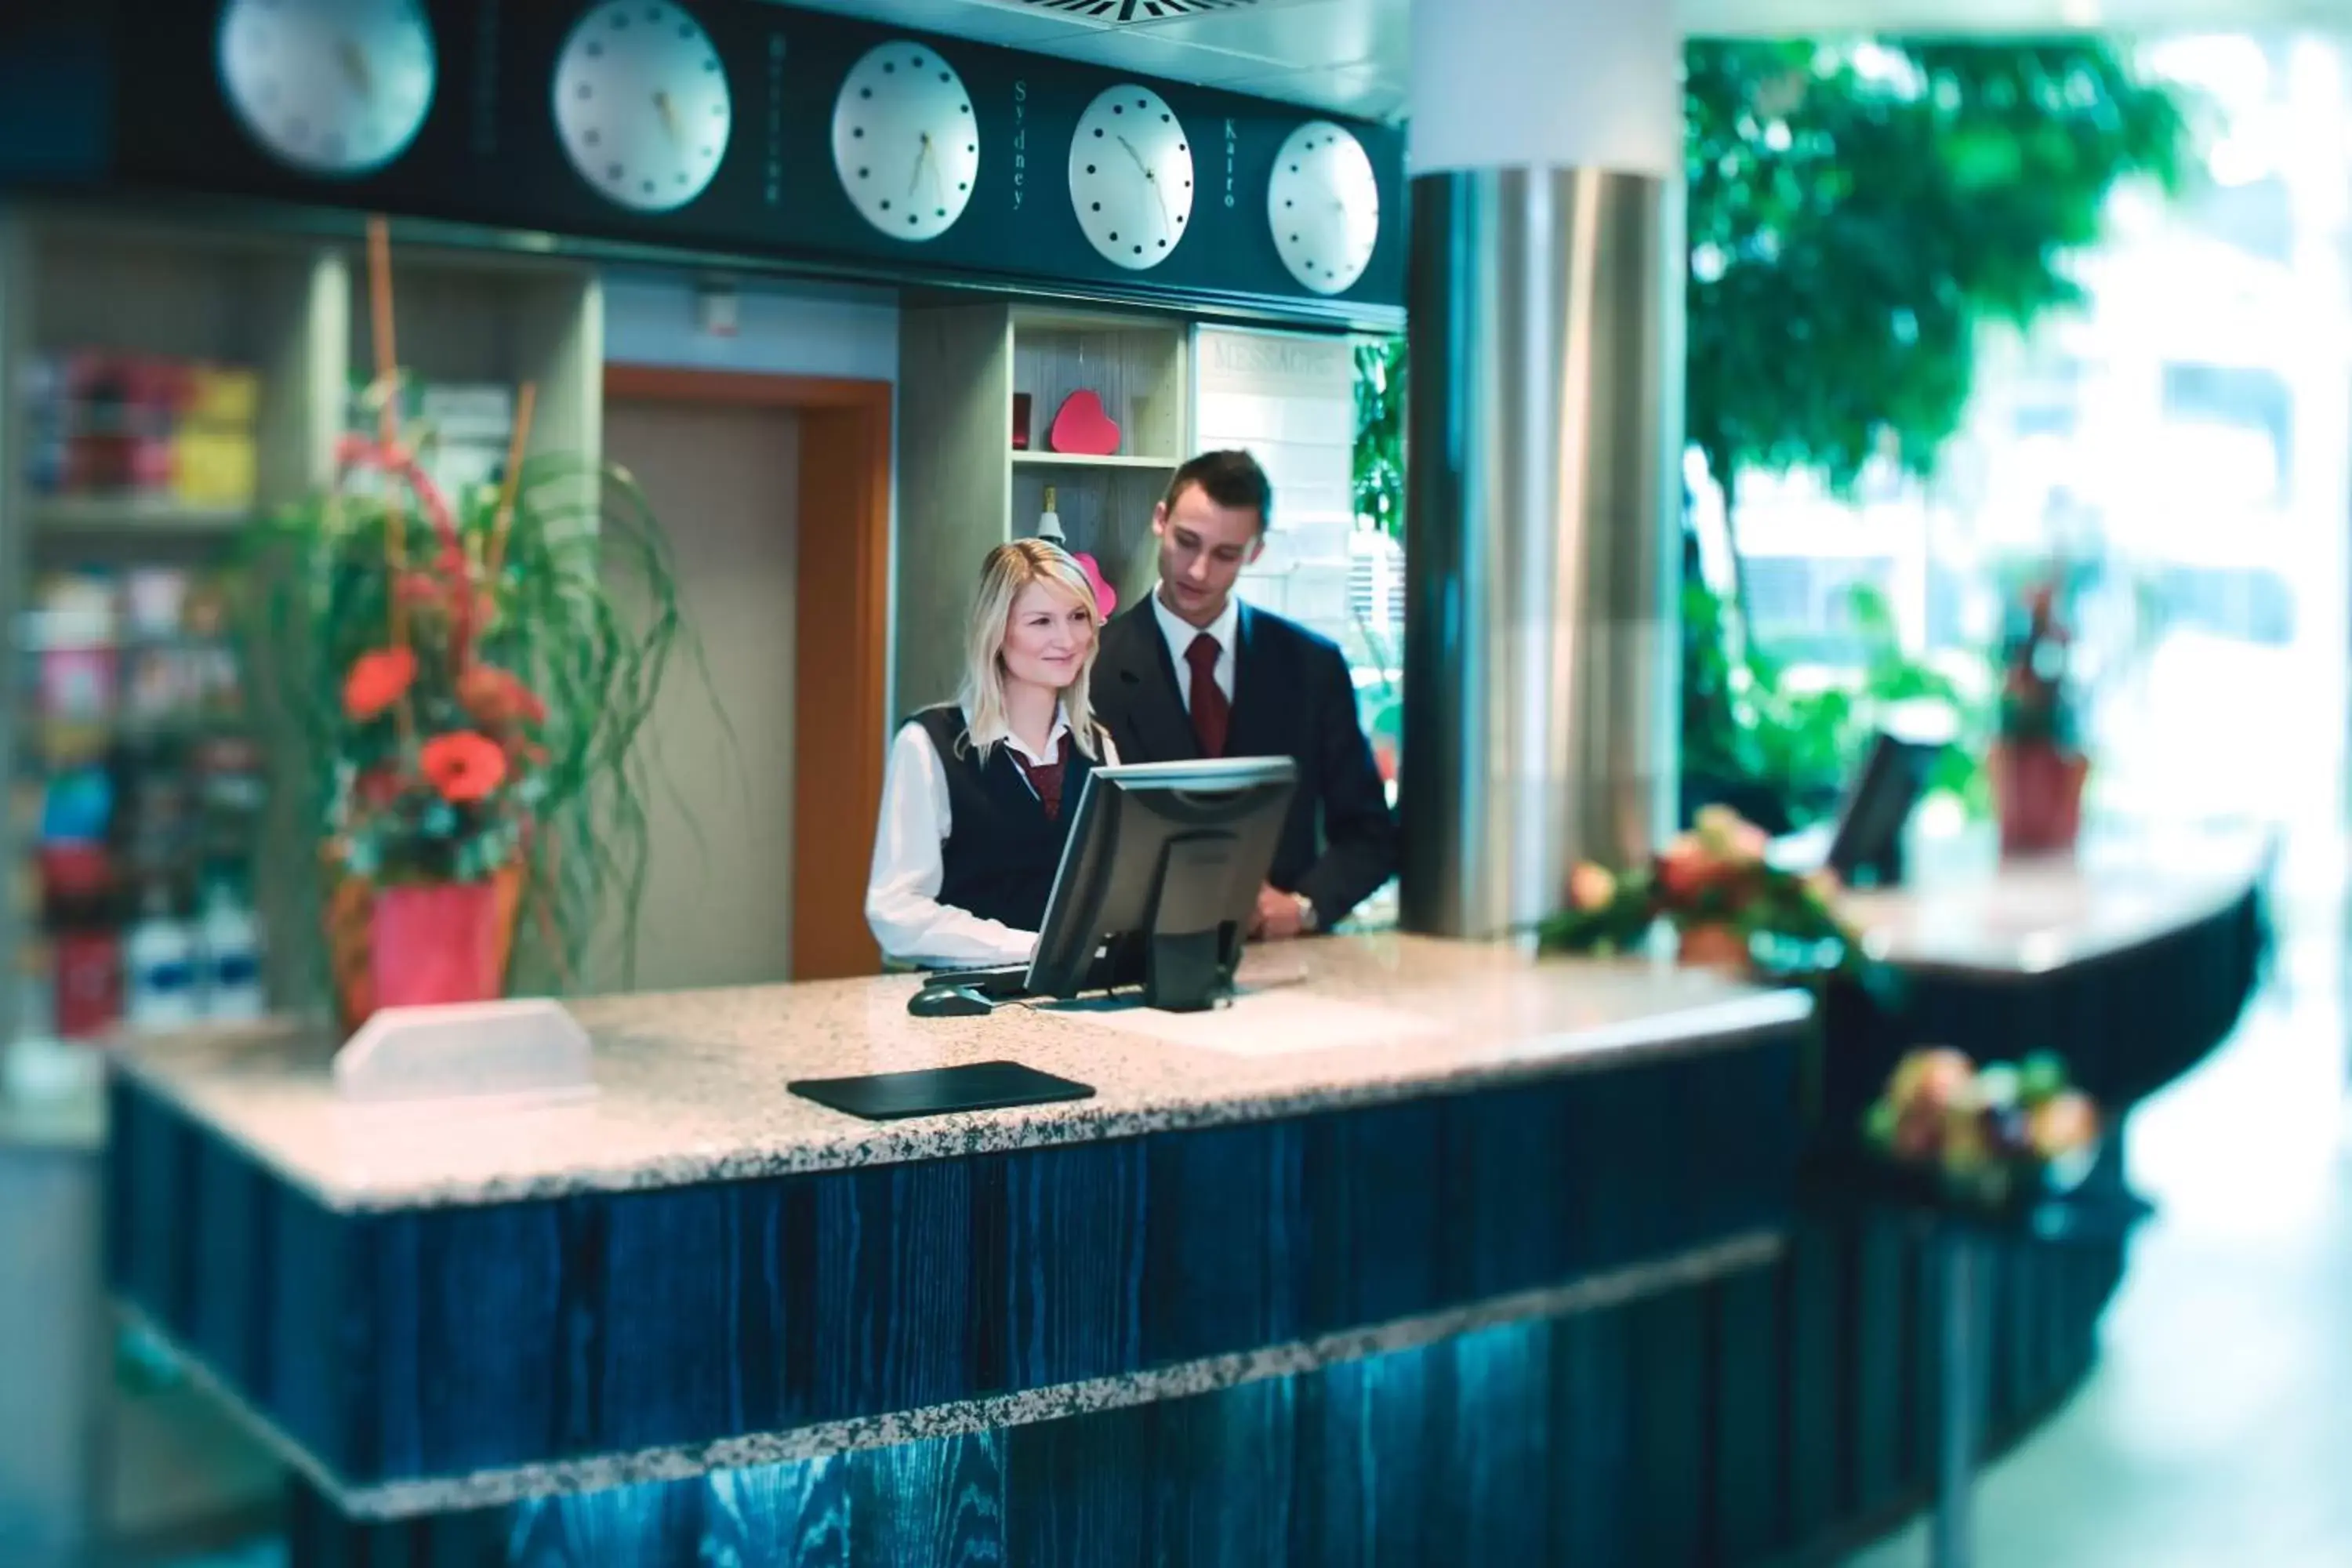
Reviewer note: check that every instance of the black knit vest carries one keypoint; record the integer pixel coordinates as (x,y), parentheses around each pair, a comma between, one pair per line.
(1002,850)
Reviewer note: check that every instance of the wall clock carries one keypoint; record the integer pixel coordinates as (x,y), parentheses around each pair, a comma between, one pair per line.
(641,103)
(1131,176)
(905,142)
(332,87)
(1323,205)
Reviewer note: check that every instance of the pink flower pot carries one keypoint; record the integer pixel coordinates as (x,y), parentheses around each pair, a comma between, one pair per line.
(1720,946)
(436,941)
(2038,791)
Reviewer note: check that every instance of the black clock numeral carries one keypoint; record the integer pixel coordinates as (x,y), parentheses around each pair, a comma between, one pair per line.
(591,137)
(865,92)
(885,203)
(613,171)
(1097,206)
(1091,168)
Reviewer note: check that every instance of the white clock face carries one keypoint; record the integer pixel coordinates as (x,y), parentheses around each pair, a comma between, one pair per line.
(333,87)
(1323,205)
(905,140)
(641,103)
(1131,176)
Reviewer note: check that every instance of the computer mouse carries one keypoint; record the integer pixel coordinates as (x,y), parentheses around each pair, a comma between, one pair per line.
(949,1002)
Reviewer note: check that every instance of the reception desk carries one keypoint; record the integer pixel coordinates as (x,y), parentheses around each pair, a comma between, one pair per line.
(1424,1251)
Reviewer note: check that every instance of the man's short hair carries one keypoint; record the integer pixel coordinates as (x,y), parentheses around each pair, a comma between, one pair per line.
(1232,480)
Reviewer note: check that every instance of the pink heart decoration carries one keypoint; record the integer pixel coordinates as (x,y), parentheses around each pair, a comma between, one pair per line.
(1083,427)
(1105,596)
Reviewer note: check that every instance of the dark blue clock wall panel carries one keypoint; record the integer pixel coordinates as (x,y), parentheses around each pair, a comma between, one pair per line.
(489,152)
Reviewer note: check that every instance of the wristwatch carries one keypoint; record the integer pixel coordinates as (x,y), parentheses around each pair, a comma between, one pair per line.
(1307,919)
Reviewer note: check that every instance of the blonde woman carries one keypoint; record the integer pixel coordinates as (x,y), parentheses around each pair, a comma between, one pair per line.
(978,794)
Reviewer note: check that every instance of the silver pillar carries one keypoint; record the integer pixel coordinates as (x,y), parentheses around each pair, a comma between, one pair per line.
(1543,482)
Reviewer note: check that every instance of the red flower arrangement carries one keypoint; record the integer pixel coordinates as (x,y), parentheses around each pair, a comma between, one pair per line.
(464,682)
(1727,905)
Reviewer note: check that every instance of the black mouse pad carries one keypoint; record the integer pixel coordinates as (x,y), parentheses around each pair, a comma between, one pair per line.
(935,1092)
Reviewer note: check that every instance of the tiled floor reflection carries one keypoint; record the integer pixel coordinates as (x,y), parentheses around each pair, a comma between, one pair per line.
(2216,1426)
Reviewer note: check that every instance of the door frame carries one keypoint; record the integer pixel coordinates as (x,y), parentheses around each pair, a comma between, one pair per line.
(841,635)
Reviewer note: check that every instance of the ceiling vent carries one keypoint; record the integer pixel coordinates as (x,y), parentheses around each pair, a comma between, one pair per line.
(1118,13)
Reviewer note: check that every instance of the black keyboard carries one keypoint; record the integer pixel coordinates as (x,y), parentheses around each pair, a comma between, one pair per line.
(996,985)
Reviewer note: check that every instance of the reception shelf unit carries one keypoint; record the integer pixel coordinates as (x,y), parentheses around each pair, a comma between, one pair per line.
(292,310)
(965,488)
(88,295)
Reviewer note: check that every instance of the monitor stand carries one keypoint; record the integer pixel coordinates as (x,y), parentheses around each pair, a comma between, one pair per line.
(1184,965)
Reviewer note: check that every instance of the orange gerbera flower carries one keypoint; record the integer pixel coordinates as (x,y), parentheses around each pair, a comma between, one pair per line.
(377,680)
(495,698)
(464,766)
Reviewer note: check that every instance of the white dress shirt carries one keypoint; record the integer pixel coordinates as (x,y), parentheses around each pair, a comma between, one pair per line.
(902,892)
(1179,633)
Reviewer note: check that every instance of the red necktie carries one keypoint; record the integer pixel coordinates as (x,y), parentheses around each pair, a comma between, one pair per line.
(1210,708)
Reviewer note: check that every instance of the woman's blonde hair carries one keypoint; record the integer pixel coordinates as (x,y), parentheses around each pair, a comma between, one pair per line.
(1010,568)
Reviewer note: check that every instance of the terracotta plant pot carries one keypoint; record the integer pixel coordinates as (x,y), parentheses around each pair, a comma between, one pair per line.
(420,944)
(2038,792)
(1716,946)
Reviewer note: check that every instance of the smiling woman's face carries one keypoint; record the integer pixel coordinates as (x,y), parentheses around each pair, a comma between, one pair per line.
(1048,635)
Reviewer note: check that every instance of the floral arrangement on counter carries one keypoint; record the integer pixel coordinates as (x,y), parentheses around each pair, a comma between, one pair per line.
(1725,902)
(465,684)
(1987,1136)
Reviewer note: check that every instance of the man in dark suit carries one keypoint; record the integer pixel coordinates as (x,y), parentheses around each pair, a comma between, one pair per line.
(1194,672)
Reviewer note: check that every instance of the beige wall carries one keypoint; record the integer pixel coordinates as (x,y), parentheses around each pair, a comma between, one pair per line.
(718,903)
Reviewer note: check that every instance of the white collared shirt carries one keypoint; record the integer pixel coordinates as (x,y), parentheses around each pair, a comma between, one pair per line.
(902,892)
(1179,633)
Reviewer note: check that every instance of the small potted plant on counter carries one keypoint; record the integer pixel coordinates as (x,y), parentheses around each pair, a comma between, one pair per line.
(2036,765)
(1726,904)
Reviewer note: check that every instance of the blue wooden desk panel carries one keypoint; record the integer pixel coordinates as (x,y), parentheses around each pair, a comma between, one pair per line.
(441,1341)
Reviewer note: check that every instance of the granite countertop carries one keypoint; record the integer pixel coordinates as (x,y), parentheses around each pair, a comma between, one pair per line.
(691,1084)
(1969,915)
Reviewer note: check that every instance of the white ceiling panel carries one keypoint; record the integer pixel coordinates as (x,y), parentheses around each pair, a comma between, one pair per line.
(1352,57)
(1315,32)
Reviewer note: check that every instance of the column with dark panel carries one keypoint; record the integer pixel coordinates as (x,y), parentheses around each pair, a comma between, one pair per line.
(1543,450)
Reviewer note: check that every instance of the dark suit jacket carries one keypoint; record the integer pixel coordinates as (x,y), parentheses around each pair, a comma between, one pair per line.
(1292,697)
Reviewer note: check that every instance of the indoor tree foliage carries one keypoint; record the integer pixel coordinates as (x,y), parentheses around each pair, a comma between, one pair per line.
(1856,212)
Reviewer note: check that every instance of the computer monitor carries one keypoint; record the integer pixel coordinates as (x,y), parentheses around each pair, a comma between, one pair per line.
(1160,876)
(1867,848)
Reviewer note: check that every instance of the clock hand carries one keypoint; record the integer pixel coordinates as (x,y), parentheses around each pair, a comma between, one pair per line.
(1166,227)
(921,158)
(669,113)
(354,63)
